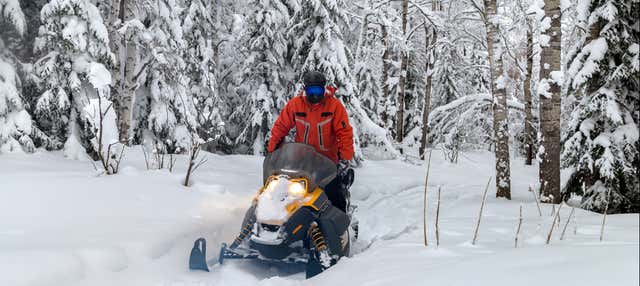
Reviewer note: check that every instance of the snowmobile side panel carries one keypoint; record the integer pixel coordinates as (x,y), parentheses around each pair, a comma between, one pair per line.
(297,226)
(333,223)
(197,259)
(250,215)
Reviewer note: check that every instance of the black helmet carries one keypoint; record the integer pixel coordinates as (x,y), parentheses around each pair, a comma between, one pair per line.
(314,78)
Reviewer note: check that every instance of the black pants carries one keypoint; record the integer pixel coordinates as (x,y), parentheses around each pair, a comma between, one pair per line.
(338,190)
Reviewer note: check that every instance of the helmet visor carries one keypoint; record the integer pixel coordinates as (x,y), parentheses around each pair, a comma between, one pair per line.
(314,93)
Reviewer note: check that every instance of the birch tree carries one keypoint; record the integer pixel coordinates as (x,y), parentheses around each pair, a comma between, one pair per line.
(500,120)
(529,131)
(403,76)
(430,40)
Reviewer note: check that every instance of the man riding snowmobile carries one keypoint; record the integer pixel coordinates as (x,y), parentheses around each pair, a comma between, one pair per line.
(321,121)
(301,214)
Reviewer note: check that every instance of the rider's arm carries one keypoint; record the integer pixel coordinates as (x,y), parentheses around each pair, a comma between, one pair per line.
(344,132)
(281,127)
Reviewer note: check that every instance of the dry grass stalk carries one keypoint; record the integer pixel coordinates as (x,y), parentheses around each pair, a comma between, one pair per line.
(424,206)
(519,226)
(146,156)
(536,198)
(555,219)
(438,219)
(484,199)
(604,217)
(564,230)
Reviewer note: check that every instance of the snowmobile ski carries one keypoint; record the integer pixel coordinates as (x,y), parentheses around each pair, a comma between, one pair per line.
(197,259)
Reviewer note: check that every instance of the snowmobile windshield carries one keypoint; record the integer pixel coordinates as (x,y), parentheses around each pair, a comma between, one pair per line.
(300,160)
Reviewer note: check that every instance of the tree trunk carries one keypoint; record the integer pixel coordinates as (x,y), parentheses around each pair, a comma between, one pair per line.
(424,140)
(116,74)
(403,77)
(529,132)
(127,61)
(500,122)
(385,74)
(550,108)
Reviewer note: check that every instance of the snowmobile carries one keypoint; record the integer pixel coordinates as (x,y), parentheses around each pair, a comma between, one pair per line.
(291,219)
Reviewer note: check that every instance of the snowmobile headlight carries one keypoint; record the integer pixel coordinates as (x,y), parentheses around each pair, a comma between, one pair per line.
(297,188)
(271,185)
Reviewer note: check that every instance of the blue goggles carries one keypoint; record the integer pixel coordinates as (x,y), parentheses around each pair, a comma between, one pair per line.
(314,91)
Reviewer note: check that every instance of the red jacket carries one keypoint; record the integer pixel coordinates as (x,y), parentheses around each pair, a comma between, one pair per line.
(324,125)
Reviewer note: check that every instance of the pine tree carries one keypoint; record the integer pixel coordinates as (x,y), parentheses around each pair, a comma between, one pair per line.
(445,71)
(198,29)
(318,43)
(75,46)
(266,71)
(367,66)
(15,121)
(601,146)
(164,112)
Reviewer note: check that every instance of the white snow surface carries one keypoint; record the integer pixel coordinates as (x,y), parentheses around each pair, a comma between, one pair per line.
(61,224)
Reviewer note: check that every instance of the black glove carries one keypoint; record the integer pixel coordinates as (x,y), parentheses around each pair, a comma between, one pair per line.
(343,166)
(345,173)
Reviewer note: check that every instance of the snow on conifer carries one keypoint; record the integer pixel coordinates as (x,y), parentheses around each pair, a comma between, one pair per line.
(10,10)
(266,71)
(163,111)
(601,145)
(198,28)
(74,44)
(15,121)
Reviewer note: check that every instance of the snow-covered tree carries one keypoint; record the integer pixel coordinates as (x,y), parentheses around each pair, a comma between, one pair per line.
(267,71)
(318,43)
(198,28)
(15,121)
(368,65)
(446,71)
(601,146)
(164,114)
(74,44)
(11,13)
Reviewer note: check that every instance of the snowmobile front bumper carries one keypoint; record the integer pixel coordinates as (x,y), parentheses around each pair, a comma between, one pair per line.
(241,252)
(236,253)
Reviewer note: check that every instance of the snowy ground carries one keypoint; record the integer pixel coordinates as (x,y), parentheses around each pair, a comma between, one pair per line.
(60,224)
